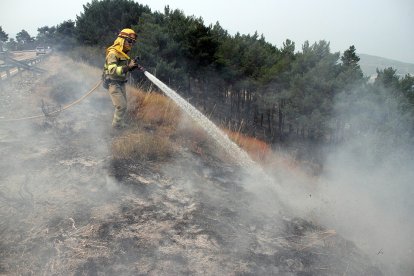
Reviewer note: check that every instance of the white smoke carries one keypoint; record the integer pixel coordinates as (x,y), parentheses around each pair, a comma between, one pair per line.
(366,189)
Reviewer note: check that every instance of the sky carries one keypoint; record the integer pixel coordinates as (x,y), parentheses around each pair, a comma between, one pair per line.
(376,27)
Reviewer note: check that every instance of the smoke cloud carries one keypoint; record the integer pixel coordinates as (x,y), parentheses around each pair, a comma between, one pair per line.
(66,206)
(366,188)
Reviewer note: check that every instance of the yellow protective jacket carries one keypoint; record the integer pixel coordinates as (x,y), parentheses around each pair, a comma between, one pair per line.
(114,68)
(116,61)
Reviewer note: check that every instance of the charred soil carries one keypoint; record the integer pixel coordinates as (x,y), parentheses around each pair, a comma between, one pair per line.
(69,207)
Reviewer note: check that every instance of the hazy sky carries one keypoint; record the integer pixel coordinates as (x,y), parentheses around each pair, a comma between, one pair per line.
(377,27)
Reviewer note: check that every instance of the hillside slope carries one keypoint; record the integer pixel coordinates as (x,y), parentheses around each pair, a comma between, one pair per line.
(75,199)
(369,65)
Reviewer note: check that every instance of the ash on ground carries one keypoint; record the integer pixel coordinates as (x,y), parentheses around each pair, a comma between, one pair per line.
(68,208)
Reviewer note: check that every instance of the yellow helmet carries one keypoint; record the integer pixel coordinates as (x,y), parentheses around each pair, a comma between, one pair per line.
(128,34)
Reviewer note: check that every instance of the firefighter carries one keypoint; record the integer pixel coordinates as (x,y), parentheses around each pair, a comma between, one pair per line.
(116,68)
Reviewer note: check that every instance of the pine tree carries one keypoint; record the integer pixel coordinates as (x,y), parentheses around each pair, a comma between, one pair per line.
(101,21)
(3,38)
(350,64)
(24,40)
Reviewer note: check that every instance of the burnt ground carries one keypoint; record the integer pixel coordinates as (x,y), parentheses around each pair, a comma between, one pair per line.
(67,207)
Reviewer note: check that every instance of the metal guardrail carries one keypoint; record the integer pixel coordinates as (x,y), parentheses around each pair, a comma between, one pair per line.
(8,64)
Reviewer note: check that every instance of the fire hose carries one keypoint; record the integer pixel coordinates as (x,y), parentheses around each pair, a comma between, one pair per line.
(4,120)
(239,155)
(56,111)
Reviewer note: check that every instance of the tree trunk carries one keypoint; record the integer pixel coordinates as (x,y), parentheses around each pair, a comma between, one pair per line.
(238,101)
(280,119)
(269,121)
(189,86)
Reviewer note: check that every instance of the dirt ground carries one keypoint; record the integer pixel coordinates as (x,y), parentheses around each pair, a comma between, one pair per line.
(67,207)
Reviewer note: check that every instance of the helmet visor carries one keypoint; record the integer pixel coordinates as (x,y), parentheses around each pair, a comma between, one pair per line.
(130,40)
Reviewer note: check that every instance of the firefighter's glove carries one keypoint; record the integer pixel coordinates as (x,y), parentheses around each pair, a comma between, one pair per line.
(132,65)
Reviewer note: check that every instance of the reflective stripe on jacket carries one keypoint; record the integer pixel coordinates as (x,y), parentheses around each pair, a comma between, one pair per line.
(113,67)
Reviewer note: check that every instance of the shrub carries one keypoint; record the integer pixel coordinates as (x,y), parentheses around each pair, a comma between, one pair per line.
(257,149)
(153,108)
(142,146)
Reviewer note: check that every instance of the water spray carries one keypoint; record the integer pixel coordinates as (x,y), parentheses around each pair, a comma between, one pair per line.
(234,151)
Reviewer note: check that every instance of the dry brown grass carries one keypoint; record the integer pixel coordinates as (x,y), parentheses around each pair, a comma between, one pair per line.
(153,108)
(159,129)
(155,111)
(142,146)
(154,119)
(257,149)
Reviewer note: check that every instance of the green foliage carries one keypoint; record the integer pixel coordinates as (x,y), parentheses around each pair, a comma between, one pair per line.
(101,21)
(46,36)
(350,59)
(407,87)
(350,72)
(88,54)
(158,50)
(277,91)
(3,38)
(245,57)
(65,35)
(24,40)
(376,111)
(196,44)
(11,44)
(305,84)
(3,35)
(387,78)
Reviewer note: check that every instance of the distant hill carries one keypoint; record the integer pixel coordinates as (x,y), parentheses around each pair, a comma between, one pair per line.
(369,64)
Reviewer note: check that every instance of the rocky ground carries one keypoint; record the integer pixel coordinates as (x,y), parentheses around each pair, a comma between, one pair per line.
(67,207)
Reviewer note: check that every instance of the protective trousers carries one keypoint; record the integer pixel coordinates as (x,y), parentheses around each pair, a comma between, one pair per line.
(119,101)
